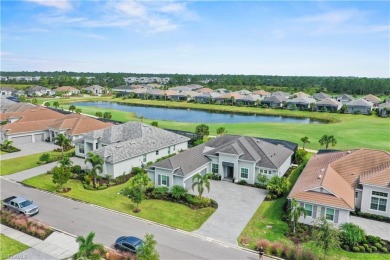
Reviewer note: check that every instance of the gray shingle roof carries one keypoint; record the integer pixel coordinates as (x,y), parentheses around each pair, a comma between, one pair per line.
(384,105)
(302,100)
(93,87)
(274,99)
(321,96)
(263,153)
(328,102)
(133,139)
(359,103)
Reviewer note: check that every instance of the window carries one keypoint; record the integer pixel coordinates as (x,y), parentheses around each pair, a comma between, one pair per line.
(356,194)
(244,173)
(261,171)
(144,158)
(157,152)
(164,180)
(214,168)
(174,147)
(81,149)
(97,146)
(378,201)
(329,214)
(169,150)
(309,209)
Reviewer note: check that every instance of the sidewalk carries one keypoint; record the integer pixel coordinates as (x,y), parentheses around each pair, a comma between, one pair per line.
(57,246)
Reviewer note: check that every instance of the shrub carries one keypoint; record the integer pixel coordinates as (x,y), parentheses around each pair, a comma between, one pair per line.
(216,177)
(373,239)
(355,249)
(87,186)
(384,250)
(263,243)
(362,249)
(374,248)
(366,246)
(178,192)
(378,245)
(242,182)
(352,234)
(369,250)
(76,169)
(102,187)
(160,192)
(45,157)
(383,243)
(287,252)
(274,196)
(277,249)
(345,247)
(268,197)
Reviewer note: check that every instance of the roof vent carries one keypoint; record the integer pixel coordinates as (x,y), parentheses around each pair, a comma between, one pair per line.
(320,176)
(118,146)
(132,143)
(348,152)
(323,169)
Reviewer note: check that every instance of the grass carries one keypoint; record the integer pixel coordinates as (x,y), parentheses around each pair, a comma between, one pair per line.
(2,152)
(164,212)
(351,131)
(270,214)
(10,247)
(18,164)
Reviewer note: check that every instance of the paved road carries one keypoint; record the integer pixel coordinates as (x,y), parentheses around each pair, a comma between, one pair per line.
(236,206)
(79,219)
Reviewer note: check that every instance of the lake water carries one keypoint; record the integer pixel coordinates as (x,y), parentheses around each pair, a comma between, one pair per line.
(195,116)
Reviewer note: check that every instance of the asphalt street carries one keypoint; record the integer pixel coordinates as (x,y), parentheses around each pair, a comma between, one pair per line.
(79,219)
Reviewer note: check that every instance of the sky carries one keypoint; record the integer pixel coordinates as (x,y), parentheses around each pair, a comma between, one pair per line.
(297,38)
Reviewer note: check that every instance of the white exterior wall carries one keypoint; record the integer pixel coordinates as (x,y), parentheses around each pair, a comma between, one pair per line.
(231,159)
(251,171)
(285,166)
(366,200)
(343,215)
(32,134)
(358,199)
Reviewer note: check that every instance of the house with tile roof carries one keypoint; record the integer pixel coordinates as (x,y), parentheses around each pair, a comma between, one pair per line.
(7,91)
(233,157)
(373,99)
(40,91)
(95,90)
(320,96)
(334,184)
(129,145)
(345,98)
(274,101)
(67,90)
(359,106)
(300,102)
(328,104)
(262,93)
(249,100)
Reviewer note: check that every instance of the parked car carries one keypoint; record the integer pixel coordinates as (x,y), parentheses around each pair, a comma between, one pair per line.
(21,205)
(128,244)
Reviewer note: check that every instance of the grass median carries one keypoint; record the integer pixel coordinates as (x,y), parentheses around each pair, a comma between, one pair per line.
(164,212)
(10,247)
(18,164)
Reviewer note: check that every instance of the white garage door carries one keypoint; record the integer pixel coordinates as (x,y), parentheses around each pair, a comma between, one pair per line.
(39,138)
(22,139)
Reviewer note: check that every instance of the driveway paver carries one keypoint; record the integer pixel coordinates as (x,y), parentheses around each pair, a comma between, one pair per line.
(372,227)
(236,206)
(28,149)
(27,174)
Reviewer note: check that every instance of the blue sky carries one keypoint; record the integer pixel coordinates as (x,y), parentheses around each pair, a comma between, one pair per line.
(318,38)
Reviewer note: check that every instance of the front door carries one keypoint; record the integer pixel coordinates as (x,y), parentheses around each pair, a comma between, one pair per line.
(230,171)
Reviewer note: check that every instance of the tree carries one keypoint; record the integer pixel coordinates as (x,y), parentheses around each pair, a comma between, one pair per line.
(47,104)
(202,130)
(56,104)
(107,115)
(277,185)
(352,234)
(178,192)
(45,157)
(78,110)
(34,101)
(7,144)
(325,235)
(97,165)
(327,139)
(136,189)
(201,181)
(295,212)
(65,162)
(61,175)
(88,249)
(72,108)
(305,140)
(300,156)
(22,98)
(99,114)
(155,123)
(148,250)
(62,141)
(221,130)
(141,118)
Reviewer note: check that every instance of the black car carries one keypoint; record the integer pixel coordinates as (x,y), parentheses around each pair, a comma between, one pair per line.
(129,244)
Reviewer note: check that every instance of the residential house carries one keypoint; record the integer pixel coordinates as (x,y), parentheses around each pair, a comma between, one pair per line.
(123,88)
(40,91)
(336,183)
(373,99)
(249,100)
(301,103)
(140,92)
(206,97)
(280,94)
(157,94)
(345,98)
(5,103)
(183,95)
(228,98)
(301,94)
(384,109)
(321,96)
(9,106)
(222,91)
(67,91)
(359,106)
(204,90)
(129,145)
(243,92)
(7,91)
(231,156)
(328,104)
(262,93)
(20,92)
(274,101)
(95,90)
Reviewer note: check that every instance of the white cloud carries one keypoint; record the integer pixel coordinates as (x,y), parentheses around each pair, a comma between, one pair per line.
(173,8)
(94,36)
(130,8)
(59,4)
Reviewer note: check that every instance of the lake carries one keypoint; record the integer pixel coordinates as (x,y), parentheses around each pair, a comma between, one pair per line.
(195,116)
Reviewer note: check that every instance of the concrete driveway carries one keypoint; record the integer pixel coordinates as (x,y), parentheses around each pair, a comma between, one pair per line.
(27,149)
(372,227)
(236,206)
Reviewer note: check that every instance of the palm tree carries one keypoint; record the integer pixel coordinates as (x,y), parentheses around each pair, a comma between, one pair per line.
(56,104)
(66,162)
(326,140)
(87,248)
(277,185)
(201,181)
(78,110)
(295,212)
(62,141)
(97,165)
(305,140)
(7,143)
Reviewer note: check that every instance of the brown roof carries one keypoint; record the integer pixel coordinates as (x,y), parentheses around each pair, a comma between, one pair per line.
(18,107)
(338,174)
(372,98)
(230,95)
(65,89)
(261,92)
(32,114)
(301,94)
(205,90)
(23,127)
(78,124)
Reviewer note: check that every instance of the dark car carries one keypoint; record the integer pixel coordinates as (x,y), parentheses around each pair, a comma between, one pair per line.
(129,244)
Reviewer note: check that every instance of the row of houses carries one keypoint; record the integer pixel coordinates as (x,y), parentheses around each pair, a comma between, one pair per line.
(145,80)
(39,91)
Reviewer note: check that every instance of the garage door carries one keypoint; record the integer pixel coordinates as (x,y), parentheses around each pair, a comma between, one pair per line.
(22,139)
(39,138)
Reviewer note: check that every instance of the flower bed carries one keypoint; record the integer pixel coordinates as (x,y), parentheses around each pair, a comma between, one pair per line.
(24,224)
(285,251)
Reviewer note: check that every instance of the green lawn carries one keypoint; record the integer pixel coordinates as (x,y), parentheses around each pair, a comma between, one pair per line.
(23,163)
(10,247)
(351,131)
(2,152)
(270,213)
(164,212)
